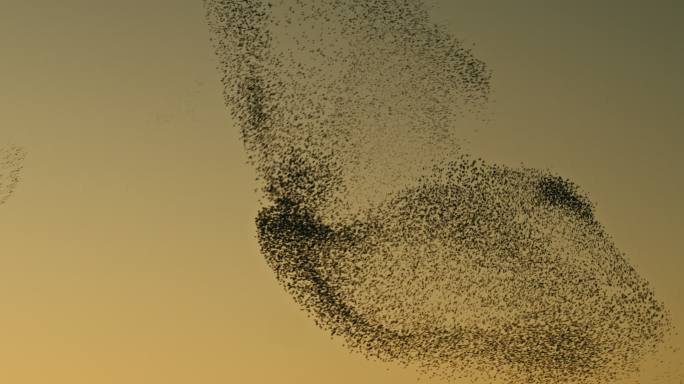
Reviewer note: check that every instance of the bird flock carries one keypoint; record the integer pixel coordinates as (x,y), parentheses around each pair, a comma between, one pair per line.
(10,166)
(378,224)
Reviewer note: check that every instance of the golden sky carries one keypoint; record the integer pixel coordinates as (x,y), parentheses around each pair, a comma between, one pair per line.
(129,252)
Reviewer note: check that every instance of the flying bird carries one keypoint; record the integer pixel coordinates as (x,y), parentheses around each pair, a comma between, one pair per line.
(377,223)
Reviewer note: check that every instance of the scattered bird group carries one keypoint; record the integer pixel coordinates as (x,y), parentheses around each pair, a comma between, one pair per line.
(392,238)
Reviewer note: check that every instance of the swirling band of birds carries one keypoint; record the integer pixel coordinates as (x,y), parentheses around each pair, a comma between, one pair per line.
(377,223)
(11,160)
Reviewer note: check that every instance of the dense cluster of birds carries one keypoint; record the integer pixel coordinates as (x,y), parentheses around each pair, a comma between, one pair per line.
(10,166)
(378,224)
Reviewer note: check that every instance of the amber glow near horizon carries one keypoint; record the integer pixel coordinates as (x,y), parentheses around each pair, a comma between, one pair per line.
(128,249)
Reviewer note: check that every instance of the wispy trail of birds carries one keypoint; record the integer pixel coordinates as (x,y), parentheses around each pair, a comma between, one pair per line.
(378,224)
(11,159)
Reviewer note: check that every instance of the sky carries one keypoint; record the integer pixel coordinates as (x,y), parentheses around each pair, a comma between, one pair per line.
(129,254)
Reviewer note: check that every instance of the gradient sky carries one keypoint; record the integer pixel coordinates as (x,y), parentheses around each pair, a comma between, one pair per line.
(129,252)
